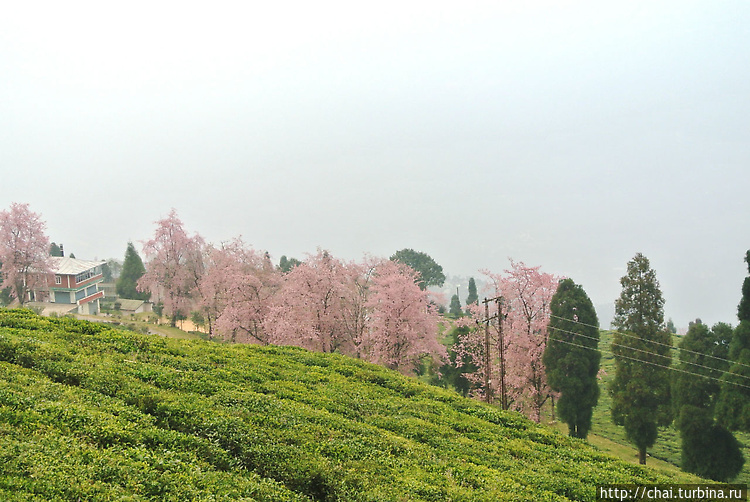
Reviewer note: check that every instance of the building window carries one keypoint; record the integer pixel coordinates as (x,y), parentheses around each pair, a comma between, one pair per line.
(84,276)
(58,279)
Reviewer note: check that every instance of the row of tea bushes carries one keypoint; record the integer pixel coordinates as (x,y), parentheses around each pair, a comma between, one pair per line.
(91,413)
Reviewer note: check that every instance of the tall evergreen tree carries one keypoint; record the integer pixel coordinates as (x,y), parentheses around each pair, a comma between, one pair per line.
(571,357)
(708,449)
(54,250)
(132,270)
(733,407)
(641,346)
(473,296)
(455,308)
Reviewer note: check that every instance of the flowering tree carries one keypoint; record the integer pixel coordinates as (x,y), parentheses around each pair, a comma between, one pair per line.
(526,293)
(24,251)
(175,264)
(308,310)
(403,323)
(236,291)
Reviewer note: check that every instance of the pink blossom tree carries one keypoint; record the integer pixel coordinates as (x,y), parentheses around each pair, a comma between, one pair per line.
(236,291)
(175,265)
(309,309)
(527,293)
(24,251)
(403,324)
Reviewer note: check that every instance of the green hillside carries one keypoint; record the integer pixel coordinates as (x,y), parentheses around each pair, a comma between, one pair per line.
(91,413)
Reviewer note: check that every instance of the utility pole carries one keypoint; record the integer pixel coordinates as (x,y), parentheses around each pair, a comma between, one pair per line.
(487,358)
(501,347)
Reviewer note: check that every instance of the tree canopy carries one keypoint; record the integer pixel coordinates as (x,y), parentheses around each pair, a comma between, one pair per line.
(571,357)
(24,251)
(641,346)
(733,407)
(430,273)
(708,449)
(132,270)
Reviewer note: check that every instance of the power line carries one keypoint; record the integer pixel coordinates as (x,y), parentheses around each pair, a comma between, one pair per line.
(672,347)
(655,364)
(641,350)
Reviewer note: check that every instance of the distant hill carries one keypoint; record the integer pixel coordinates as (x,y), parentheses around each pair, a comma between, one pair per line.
(91,413)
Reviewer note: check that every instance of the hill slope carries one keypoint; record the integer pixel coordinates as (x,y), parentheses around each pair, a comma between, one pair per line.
(91,413)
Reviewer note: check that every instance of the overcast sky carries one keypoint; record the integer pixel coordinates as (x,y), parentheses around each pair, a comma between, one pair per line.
(570,135)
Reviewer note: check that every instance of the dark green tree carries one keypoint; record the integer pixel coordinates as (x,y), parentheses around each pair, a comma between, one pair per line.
(287,264)
(455,308)
(473,296)
(571,357)
(708,449)
(55,250)
(132,270)
(733,407)
(641,346)
(430,272)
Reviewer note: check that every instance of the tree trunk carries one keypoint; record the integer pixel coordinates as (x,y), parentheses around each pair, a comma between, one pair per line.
(642,456)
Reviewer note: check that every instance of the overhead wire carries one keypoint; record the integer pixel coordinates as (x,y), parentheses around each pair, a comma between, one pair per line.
(659,365)
(659,343)
(646,352)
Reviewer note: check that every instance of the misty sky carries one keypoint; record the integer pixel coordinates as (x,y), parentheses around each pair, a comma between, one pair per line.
(570,135)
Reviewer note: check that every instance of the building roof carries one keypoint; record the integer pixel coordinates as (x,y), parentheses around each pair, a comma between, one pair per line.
(126,304)
(71,266)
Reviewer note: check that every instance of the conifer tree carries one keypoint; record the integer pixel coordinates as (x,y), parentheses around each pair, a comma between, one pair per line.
(455,308)
(708,449)
(641,346)
(571,357)
(733,407)
(473,296)
(132,270)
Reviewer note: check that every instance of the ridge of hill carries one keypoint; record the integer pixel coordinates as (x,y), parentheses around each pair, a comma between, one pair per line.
(88,412)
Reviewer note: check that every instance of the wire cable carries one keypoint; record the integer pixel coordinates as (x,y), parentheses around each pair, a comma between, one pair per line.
(646,352)
(658,343)
(659,365)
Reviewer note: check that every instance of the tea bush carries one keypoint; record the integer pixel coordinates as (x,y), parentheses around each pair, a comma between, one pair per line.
(88,412)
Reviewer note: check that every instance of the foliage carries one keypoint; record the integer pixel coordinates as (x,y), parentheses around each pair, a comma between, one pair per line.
(23,251)
(55,250)
(455,307)
(640,390)
(430,273)
(92,413)
(733,407)
(473,297)
(236,291)
(287,264)
(402,321)
(743,309)
(708,449)
(310,308)
(175,266)
(571,357)
(132,270)
(526,293)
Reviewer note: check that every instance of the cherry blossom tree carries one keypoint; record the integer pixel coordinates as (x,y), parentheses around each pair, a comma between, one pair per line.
(309,309)
(24,251)
(236,291)
(403,323)
(526,293)
(175,265)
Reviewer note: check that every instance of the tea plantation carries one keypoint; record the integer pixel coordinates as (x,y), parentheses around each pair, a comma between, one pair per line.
(92,413)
